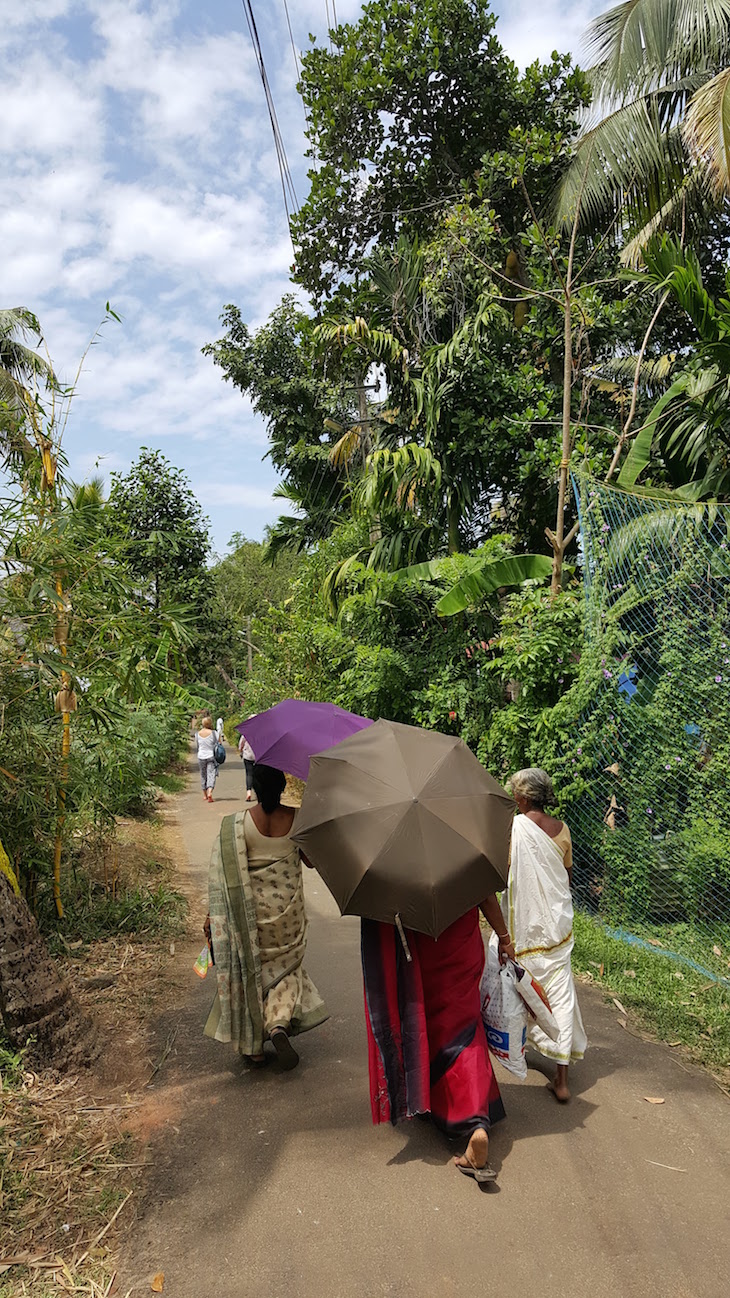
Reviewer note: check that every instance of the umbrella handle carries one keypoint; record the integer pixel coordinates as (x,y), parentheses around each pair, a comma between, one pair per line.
(402,935)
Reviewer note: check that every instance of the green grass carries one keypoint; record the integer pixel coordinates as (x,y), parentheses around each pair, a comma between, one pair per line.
(170,782)
(92,912)
(11,1063)
(669,999)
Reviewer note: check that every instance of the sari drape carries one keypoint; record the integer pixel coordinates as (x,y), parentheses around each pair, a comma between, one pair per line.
(538,910)
(427,1049)
(259,935)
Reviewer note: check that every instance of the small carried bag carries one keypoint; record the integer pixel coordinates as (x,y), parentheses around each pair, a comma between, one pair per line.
(536,1002)
(219,754)
(504,1013)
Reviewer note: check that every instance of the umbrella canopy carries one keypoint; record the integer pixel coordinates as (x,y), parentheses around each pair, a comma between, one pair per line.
(287,735)
(404,821)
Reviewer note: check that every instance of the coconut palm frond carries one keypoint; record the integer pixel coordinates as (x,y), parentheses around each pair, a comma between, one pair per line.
(346,448)
(393,475)
(706,131)
(634,158)
(670,266)
(620,372)
(688,206)
(378,344)
(640,42)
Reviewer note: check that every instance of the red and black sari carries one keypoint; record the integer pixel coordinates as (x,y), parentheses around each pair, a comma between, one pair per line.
(427,1049)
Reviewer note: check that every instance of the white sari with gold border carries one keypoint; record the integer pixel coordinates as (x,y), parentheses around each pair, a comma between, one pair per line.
(538,911)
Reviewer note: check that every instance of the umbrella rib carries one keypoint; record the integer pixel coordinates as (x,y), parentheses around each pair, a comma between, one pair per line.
(346,761)
(339,816)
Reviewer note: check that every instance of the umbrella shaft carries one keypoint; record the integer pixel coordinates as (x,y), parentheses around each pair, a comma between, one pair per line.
(402,935)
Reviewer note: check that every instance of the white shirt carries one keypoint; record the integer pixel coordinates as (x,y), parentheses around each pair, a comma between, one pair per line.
(246,750)
(206,744)
(219,727)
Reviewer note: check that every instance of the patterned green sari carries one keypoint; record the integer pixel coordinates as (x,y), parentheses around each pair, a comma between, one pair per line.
(259,936)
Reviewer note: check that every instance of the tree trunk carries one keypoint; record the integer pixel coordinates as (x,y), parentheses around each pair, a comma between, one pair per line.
(37,1005)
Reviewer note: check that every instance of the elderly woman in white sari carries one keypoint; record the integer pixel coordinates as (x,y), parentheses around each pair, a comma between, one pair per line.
(538,911)
(257,928)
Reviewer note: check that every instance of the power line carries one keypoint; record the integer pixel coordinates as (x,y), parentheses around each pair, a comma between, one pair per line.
(330,23)
(310,133)
(291,203)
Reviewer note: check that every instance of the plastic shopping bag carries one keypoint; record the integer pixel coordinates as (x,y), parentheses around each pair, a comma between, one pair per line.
(535,998)
(504,1014)
(203,963)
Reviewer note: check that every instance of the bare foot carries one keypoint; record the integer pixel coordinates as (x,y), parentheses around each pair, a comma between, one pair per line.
(560,1091)
(476,1151)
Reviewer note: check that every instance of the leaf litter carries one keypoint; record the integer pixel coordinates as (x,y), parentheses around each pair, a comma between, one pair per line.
(65,1181)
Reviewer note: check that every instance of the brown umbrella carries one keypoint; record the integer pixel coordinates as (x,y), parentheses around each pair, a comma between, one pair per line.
(402,821)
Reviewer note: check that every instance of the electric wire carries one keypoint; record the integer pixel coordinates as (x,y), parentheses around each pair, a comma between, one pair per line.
(291,203)
(309,132)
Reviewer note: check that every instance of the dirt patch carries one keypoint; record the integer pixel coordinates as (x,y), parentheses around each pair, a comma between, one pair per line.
(73,1149)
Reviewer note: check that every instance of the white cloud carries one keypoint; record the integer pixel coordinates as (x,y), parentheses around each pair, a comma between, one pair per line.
(531,31)
(139,168)
(236,493)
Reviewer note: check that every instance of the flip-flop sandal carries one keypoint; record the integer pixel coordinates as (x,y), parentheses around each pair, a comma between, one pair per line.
(285,1052)
(481,1174)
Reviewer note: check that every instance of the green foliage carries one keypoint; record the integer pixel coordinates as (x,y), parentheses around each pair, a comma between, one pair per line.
(473,588)
(94,911)
(279,369)
(687,429)
(644,772)
(81,632)
(401,112)
(114,768)
(12,1065)
(534,661)
(161,536)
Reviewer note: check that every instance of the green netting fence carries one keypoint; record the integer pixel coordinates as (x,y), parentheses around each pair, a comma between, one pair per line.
(650,809)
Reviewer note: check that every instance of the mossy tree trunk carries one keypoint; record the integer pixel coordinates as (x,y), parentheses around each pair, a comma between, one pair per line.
(37,1005)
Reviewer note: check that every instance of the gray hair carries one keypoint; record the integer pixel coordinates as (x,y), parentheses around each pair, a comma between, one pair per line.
(535,786)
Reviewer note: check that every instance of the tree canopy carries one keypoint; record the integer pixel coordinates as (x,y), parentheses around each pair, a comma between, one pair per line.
(401,112)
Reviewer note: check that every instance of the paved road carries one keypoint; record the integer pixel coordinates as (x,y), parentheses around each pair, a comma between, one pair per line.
(277,1183)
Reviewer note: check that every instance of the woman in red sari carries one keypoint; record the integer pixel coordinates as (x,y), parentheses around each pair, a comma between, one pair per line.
(427,1048)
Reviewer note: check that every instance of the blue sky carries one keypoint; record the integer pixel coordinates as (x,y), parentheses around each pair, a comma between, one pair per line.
(138,168)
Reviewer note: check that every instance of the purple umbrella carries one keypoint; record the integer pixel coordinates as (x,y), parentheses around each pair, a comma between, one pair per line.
(287,735)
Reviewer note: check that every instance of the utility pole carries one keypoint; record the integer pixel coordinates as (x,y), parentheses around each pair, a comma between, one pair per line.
(362,388)
(250,646)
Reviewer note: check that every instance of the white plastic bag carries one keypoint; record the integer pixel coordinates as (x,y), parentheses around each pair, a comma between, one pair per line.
(504,1014)
(535,998)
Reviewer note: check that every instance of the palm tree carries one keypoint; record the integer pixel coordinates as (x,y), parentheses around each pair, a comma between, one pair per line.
(22,373)
(37,1005)
(689,426)
(655,149)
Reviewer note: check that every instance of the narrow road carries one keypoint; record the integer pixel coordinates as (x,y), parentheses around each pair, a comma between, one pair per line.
(268,1183)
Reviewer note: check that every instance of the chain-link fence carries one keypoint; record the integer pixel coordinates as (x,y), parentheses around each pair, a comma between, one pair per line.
(651,826)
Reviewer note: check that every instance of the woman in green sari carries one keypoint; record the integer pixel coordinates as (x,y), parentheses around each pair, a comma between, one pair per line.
(257,926)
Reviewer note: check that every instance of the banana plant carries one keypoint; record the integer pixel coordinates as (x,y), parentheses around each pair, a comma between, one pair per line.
(478,585)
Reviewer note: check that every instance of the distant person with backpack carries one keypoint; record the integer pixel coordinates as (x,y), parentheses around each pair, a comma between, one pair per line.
(206,740)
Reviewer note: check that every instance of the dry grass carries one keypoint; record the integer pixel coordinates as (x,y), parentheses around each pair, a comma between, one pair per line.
(66,1170)
(69,1164)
